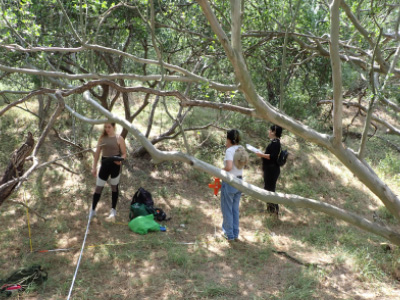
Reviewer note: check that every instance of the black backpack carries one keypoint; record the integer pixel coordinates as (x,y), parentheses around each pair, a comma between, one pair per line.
(160,215)
(143,196)
(282,157)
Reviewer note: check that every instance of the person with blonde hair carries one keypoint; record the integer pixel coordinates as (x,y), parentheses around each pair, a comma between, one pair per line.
(113,150)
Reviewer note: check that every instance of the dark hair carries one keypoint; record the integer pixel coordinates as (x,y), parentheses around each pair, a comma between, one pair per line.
(105,132)
(234,136)
(277,129)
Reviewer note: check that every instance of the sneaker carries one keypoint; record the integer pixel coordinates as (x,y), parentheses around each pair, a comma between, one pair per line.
(113,214)
(226,237)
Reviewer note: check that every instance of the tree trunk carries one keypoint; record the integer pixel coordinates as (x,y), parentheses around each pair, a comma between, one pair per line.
(15,167)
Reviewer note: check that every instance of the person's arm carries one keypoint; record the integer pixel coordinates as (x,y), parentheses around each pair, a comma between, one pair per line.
(263,155)
(228,165)
(96,159)
(122,147)
(228,160)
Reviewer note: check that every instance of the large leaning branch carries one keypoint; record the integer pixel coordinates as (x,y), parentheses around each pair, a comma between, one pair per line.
(336,73)
(249,189)
(267,112)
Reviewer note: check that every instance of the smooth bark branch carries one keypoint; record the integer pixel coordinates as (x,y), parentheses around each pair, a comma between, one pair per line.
(212,19)
(14,92)
(11,27)
(159,156)
(75,34)
(392,66)
(390,127)
(283,67)
(223,106)
(363,143)
(381,61)
(27,97)
(89,76)
(236,25)
(189,76)
(184,101)
(391,104)
(356,59)
(336,73)
(267,112)
(83,118)
(263,109)
(28,207)
(50,124)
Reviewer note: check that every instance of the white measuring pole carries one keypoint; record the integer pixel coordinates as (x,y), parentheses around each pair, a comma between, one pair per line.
(80,256)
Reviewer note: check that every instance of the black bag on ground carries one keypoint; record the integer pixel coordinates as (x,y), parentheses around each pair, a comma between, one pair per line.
(142,196)
(160,215)
(142,204)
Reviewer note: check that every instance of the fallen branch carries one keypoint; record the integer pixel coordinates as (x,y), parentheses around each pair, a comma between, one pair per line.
(65,168)
(293,259)
(30,208)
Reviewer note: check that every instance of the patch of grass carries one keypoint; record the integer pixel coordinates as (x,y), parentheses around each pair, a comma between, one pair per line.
(322,236)
(385,214)
(301,285)
(184,215)
(390,165)
(178,257)
(215,290)
(200,177)
(368,264)
(163,192)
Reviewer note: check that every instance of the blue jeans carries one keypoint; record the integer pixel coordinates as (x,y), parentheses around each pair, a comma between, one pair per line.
(230,198)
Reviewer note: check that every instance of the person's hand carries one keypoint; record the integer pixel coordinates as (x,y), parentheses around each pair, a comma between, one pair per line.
(259,154)
(117,162)
(94,172)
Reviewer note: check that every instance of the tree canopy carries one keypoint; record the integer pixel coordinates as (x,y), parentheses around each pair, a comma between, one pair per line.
(281,62)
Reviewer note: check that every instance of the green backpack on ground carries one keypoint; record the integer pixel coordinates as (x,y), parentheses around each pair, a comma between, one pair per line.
(140,209)
(144,224)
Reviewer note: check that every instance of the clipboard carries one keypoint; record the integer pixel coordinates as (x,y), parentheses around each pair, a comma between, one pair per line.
(252,149)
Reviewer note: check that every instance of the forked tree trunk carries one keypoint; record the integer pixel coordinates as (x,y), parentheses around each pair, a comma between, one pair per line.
(266,111)
(16,167)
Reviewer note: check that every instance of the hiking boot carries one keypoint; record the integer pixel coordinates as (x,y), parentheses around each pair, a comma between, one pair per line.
(113,214)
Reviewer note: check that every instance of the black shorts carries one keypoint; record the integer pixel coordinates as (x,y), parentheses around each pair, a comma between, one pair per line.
(108,168)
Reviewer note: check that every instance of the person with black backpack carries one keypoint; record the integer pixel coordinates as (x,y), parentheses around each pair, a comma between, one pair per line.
(270,166)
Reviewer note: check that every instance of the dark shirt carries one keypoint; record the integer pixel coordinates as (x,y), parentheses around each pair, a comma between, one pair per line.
(273,150)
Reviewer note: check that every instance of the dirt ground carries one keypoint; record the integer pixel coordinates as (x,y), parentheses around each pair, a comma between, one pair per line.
(188,261)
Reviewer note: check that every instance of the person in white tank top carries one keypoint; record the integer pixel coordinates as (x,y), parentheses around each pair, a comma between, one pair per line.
(230,196)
